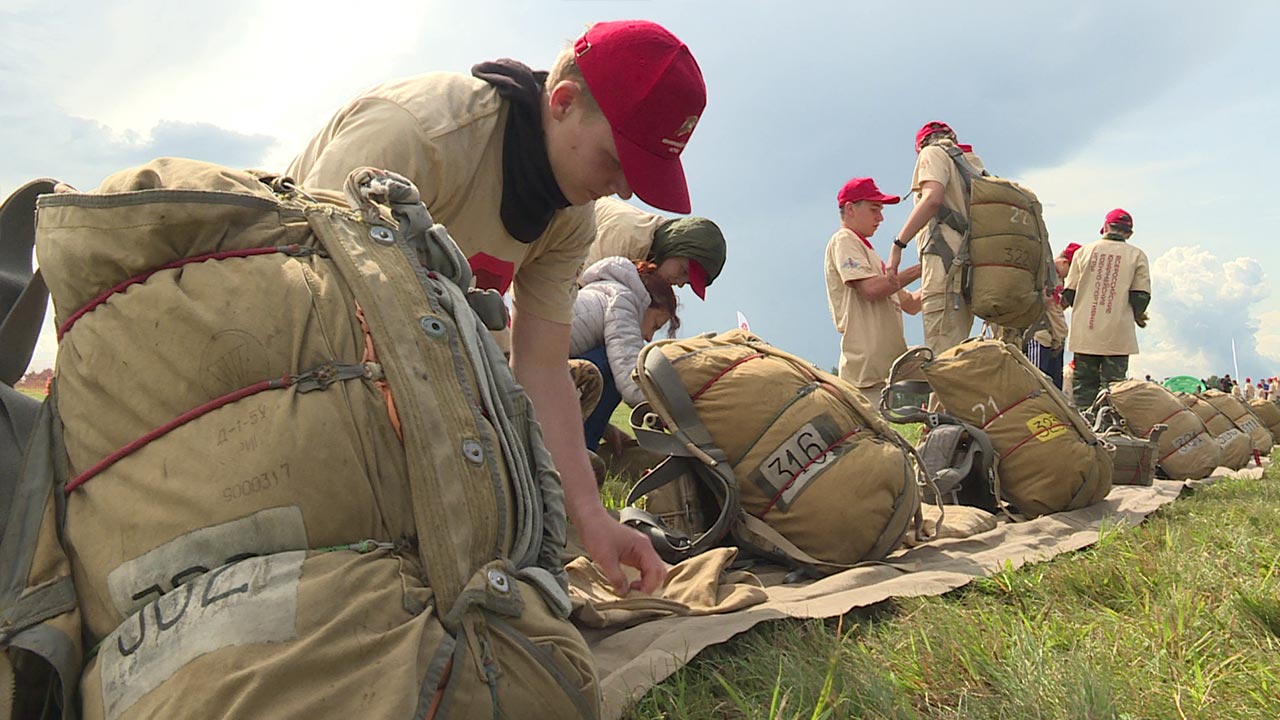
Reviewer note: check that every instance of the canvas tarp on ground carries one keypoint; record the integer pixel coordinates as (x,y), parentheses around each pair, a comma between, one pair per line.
(631,661)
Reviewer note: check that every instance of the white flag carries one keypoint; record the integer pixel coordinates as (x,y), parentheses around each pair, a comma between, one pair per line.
(1235,364)
(742,322)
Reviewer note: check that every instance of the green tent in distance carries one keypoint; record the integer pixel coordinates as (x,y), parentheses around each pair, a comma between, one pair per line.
(1184,383)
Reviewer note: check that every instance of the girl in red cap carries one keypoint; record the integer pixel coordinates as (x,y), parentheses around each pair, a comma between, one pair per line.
(1046,347)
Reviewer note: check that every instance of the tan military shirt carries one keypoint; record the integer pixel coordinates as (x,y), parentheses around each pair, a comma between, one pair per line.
(622,230)
(933,163)
(444,132)
(872,330)
(1102,274)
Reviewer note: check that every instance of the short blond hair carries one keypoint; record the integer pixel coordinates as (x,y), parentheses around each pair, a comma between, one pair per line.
(566,68)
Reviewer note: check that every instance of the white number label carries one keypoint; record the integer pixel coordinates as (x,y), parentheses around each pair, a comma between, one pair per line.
(796,462)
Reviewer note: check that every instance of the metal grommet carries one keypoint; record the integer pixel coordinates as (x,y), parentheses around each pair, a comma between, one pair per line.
(473,451)
(433,327)
(498,581)
(382,235)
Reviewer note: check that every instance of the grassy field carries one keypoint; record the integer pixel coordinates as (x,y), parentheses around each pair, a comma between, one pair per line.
(1176,618)
(37,394)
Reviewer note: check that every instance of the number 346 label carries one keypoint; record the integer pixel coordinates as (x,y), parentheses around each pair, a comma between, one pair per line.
(799,460)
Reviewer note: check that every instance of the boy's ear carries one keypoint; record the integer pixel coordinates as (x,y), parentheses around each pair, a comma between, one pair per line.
(562,97)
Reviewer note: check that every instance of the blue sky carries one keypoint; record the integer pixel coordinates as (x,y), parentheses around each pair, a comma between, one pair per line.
(1165,111)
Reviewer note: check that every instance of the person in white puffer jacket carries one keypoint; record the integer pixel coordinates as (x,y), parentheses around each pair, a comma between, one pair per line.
(620,306)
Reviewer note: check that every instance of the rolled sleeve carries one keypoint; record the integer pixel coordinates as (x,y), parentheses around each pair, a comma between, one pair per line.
(853,262)
(933,164)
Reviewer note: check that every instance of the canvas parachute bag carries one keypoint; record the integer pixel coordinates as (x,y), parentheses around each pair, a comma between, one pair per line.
(1243,418)
(1133,458)
(1186,450)
(793,464)
(1236,445)
(1268,413)
(1048,458)
(958,457)
(1004,266)
(306,485)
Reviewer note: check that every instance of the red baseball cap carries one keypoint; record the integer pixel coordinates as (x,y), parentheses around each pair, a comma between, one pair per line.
(697,279)
(651,91)
(929,128)
(1118,217)
(1069,251)
(859,189)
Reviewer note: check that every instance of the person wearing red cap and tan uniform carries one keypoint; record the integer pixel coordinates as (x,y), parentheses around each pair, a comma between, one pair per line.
(1108,289)
(866,301)
(686,250)
(1045,347)
(941,204)
(510,161)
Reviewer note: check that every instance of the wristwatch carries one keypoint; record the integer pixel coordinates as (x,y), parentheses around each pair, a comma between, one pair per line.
(898,241)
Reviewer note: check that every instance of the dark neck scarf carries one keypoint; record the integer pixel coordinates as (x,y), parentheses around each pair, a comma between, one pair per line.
(530,195)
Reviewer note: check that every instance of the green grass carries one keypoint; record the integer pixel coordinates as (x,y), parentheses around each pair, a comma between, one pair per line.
(1176,618)
(37,394)
(621,417)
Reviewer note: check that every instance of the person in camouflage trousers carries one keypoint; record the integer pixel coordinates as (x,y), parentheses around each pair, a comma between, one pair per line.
(1094,372)
(1108,289)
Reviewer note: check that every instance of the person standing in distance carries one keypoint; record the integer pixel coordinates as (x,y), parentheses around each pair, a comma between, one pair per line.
(941,206)
(1108,290)
(865,299)
(1045,348)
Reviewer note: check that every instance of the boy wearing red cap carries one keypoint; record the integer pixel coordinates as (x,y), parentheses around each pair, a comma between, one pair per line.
(687,250)
(1045,348)
(510,161)
(1108,289)
(865,299)
(938,223)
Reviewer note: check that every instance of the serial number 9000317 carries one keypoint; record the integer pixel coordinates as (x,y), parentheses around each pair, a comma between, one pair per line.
(258,483)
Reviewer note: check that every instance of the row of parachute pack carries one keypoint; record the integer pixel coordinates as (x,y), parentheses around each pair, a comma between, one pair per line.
(283,470)
(768,452)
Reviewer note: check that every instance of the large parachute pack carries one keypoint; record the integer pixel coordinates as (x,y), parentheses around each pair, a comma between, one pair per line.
(283,470)
(1004,265)
(769,453)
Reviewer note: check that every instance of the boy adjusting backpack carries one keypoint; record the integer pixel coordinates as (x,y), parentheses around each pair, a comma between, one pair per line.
(787,461)
(283,471)
(1004,266)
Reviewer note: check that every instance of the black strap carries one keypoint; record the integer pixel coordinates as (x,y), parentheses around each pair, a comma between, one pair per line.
(671,544)
(23,295)
(17,417)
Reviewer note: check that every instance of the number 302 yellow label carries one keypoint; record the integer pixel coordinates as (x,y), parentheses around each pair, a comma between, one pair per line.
(1046,426)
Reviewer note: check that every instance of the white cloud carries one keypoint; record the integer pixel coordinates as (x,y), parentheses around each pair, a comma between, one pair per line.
(1268,338)
(1200,305)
